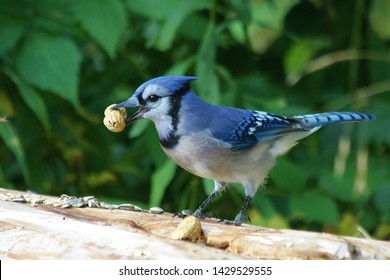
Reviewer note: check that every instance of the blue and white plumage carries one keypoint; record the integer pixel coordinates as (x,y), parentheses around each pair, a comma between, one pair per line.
(222,143)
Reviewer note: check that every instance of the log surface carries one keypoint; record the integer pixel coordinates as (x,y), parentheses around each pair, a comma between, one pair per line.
(48,232)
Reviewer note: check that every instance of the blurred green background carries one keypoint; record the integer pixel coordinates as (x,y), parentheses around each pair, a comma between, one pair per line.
(62,62)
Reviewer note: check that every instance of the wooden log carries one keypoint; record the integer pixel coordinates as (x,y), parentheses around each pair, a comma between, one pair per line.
(48,232)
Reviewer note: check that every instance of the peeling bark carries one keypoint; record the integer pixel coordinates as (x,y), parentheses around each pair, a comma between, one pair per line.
(48,232)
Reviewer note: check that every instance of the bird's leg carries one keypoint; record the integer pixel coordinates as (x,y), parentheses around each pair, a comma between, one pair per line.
(218,188)
(199,212)
(241,216)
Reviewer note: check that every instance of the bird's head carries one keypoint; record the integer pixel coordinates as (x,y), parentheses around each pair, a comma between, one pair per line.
(157,98)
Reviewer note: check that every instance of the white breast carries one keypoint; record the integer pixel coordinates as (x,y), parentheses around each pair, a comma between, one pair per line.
(207,157)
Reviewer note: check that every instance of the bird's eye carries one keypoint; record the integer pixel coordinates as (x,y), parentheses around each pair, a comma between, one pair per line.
(153,98)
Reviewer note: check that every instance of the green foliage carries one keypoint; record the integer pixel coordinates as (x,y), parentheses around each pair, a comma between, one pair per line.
(62,62)
(316,207)
(105,22)
(12,141)
(160,181)
(59,63)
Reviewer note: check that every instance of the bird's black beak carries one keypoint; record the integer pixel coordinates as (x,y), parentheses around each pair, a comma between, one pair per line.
(132,102)
(136,116)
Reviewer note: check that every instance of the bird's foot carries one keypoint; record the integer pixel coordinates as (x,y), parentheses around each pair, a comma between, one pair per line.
(183,214)
(196,214)
(240,218)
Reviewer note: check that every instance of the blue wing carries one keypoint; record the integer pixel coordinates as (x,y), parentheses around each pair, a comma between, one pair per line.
(261,126)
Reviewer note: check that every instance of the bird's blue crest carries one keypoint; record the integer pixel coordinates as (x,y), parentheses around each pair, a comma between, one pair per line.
(173,84)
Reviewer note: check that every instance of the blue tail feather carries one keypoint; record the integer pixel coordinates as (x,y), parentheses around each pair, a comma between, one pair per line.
(320,119)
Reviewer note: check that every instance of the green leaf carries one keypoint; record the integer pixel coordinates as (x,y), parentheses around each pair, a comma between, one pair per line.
(11,139)
(343,188)
(105,21)
(382,232)
(154,9)
(160,10)
(382,199)
(237,30)
(263,212)
(208,83)
(11,31)
(348,225)
(264,205)
(208,186)
(172,13)
(180,68)
(138,128)
(315,207)
(380,19)
(180,11)
(160,181)
(32,99)
(256,86)
(276,221)
(35,102)
(243,9)
(50,63)
(298,55)
(288,175)
(267,22)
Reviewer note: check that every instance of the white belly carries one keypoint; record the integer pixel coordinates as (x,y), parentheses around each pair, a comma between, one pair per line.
(207,157)
(213,159)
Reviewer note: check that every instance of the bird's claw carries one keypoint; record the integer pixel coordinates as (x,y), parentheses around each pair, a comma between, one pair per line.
(240,218)
(206,215)
(183,214)
(196,214)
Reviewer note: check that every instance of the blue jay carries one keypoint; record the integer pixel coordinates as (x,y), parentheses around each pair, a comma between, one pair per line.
(225,144)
